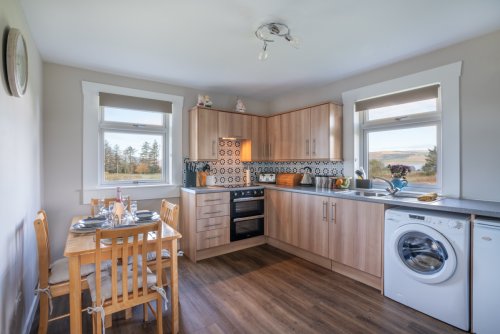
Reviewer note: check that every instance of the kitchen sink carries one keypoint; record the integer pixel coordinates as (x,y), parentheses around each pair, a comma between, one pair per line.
(370,194)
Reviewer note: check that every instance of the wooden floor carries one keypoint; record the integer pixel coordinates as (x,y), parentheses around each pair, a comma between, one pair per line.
(265,290)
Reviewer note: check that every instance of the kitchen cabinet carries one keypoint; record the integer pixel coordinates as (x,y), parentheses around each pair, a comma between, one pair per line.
(203,136)
(274,138)
(233,125)
(326,132)
(296,134)
(278,222)
(356,230)
(256,148)
(310,223)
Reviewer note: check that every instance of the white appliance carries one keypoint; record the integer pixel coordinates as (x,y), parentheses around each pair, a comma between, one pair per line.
(486,276)
(426,262)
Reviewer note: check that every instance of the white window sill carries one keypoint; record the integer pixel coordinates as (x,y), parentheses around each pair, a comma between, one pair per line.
(136,192)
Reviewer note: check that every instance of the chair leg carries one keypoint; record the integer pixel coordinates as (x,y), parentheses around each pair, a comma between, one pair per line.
(146,312)
(44,314)
(108,321)
(128,313)
(164,277)
(98,324)
(159,315)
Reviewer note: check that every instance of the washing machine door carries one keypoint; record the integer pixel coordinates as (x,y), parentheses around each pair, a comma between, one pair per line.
(423,253)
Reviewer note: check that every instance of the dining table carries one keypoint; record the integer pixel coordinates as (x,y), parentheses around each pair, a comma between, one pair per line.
(80,249)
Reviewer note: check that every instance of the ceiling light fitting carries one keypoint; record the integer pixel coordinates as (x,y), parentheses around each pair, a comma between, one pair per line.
(266,33)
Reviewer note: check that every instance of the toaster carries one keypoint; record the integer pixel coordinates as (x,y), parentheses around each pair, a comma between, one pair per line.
(267,178)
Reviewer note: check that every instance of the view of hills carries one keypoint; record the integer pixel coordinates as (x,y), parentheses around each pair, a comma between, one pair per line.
(409,158)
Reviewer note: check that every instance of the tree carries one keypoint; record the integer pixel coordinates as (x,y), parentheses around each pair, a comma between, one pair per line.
(129,159)
(153,157)
(142,168)
(108,158)
(144,156)
(430,166)
(116,159)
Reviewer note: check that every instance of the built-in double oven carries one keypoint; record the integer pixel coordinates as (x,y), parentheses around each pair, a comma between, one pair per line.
(247,213)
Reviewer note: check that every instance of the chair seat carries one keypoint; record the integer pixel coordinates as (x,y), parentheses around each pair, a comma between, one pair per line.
(106,281)
(59,271)
(165,254)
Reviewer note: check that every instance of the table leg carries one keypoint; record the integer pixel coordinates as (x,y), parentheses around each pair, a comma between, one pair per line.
(174,289)
(75,295)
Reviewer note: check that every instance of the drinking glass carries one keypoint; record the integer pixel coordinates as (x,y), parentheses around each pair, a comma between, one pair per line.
(100,207)
(125,202)
(133,208)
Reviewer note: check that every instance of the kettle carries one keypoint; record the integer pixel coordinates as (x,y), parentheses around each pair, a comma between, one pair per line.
(307,179)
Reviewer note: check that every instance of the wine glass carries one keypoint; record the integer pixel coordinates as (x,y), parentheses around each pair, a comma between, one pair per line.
(125,201)
(133,208)
(100,207)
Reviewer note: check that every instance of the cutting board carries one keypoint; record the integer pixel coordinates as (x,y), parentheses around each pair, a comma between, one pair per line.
(288,179)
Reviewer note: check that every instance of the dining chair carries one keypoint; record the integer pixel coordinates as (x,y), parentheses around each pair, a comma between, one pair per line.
(95,201)
(53,279)
(169,213)
(120,287)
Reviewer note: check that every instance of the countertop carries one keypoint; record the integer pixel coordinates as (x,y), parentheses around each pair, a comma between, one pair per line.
(482,208)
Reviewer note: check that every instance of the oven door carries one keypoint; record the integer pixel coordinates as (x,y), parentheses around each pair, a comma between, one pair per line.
(243,228)
(246,207)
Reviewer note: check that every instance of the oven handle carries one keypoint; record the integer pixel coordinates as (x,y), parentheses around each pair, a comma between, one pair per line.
(248,199)
(247,218)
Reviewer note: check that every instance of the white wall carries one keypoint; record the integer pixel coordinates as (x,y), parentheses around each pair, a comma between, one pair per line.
(20,182)
(62,139)
(479,112)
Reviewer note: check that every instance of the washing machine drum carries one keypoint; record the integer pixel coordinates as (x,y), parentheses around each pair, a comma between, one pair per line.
(423,253)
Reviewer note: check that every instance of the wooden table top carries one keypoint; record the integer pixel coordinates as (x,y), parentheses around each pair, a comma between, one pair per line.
(77,244)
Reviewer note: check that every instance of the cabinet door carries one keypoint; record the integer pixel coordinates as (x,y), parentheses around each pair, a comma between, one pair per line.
(310,223)
(356,235)
(203,134)
(274,138)
(233,125)
(320,132)
(296,143)
(259,139)
(278,210)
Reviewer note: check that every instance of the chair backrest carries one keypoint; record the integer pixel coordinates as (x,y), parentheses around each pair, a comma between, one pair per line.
(169,213)
(42,238)
(95,201)
(124,243)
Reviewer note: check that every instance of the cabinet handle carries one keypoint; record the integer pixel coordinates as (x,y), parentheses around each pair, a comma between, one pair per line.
(307,146)
(324,210)
(207,213)
(333,212)
(213,224)
(270,154)
(209,238)
(213,200)
(314,146)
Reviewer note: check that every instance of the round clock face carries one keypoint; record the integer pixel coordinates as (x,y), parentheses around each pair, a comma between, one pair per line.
(17,63)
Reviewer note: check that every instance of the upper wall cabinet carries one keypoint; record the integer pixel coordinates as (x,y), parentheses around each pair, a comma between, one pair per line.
(203,136)
(256,148)
(274,138)
(232,125)
(312,134)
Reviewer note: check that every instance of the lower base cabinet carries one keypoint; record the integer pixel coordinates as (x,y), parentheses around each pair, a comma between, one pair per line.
(356,235)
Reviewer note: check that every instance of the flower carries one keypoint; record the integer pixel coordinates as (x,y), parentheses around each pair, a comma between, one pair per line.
(399,171)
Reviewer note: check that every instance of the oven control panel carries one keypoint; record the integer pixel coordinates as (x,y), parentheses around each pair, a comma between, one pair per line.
(247,193)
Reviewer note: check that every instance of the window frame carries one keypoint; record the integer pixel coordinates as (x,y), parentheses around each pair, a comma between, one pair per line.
(135,128)
(448,78)
(413,121)
(91,188)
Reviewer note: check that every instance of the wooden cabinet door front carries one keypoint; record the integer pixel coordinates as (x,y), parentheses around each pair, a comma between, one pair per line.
(207,138)
(259,139)
(278,210)
(274,137)
(310,223)
(356,235)
(296,134)
(320,132)
(233,125)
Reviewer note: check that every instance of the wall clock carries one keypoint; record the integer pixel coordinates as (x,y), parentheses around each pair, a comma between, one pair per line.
(17,63)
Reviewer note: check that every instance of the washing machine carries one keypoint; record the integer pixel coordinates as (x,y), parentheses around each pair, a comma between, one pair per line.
(426,262)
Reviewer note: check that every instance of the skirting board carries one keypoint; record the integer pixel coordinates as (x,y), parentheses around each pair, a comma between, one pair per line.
(31,315)
(232,247)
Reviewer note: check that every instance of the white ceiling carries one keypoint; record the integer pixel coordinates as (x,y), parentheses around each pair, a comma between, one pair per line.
(210,45)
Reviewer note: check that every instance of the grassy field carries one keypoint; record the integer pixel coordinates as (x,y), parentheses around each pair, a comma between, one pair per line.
(126,177)
(412,177)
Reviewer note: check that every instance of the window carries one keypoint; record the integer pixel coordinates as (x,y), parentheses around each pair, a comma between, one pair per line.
(403,129)
(448,105)
(131,138)
(133,143)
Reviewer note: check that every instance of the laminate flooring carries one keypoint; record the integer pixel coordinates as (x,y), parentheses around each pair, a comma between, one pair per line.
(265,290)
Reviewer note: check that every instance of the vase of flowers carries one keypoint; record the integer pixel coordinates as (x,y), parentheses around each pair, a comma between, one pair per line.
(399,173)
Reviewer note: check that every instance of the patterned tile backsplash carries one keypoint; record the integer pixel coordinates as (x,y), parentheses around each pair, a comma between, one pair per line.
(229,169)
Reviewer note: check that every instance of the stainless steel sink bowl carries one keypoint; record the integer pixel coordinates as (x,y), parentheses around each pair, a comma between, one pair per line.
(370,194)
